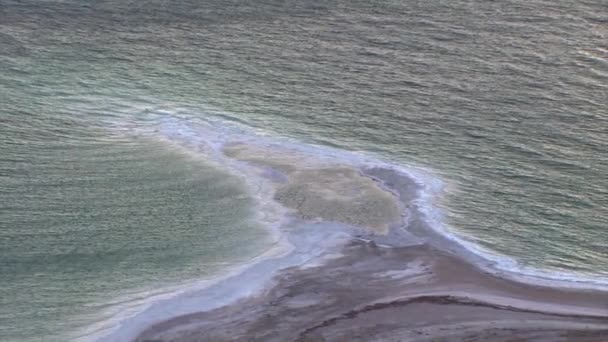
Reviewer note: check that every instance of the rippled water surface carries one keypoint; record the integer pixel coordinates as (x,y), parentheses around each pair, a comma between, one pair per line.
(506,102)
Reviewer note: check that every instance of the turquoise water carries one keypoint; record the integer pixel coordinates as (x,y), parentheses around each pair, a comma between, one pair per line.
(505,102)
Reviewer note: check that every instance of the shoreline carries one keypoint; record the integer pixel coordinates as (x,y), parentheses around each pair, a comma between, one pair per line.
(410,268)
(409,261)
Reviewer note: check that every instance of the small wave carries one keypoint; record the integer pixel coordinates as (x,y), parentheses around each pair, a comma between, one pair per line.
(598,54)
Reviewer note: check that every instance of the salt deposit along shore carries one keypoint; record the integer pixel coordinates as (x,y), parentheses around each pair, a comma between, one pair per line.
(394,278)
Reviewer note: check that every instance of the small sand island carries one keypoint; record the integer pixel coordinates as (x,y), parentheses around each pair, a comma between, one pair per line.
(325,192)
(394,279)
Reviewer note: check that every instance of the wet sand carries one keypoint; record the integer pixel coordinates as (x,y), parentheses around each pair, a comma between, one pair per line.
(395,280)
(414,293)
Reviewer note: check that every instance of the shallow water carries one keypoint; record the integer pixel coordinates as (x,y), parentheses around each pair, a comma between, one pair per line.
(505,102)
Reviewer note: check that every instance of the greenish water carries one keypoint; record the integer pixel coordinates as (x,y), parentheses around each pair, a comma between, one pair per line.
(505,101)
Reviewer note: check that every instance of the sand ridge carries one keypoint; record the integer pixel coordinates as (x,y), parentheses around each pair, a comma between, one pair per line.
(442,298)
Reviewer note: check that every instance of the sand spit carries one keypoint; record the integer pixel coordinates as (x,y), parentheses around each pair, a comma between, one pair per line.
(398,280)
(414,293)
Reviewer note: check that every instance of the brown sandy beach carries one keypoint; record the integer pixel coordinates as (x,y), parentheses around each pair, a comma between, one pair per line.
(401,281)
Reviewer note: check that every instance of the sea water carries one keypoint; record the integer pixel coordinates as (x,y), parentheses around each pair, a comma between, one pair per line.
(499,108)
